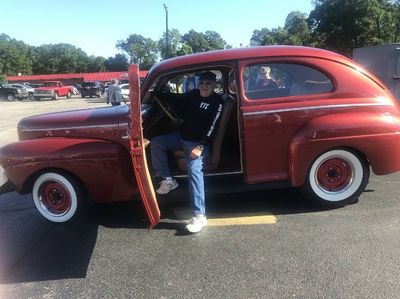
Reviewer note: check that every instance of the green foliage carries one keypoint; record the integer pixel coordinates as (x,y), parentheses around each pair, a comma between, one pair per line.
(174,44)
(196,41)
(297,29)
(202,42)
(60,59)
(116,63)
(215,41)
(184,50)
(342,25)
(140,50)
(14,56)
(276,36)
(295,32)
(96,64)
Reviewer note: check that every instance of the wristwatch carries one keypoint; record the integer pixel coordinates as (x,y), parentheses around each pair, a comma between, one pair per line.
(200,147)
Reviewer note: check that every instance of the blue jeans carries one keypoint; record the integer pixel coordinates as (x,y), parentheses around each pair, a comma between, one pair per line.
(160,145)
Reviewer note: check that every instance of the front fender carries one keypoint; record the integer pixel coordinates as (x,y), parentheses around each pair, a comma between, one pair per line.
(102,166)
(374,136)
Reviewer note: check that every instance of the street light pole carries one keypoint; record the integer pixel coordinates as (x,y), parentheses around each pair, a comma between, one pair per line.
(166,31)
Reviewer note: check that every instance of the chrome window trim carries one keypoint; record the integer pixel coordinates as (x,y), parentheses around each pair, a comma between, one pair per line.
(314,108)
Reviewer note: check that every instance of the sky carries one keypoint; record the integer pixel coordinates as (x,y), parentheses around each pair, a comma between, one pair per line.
(95,26)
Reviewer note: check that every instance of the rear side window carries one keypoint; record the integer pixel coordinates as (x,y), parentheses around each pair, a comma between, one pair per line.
(274,80)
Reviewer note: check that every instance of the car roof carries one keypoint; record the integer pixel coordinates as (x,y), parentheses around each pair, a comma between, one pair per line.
(254,52)
(249,52)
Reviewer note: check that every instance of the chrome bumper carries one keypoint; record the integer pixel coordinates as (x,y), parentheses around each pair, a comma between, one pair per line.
(43,95)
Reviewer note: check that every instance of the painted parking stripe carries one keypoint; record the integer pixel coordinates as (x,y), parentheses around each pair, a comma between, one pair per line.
(265,219)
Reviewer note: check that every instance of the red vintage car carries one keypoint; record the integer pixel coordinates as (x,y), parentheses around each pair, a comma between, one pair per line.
(321,126)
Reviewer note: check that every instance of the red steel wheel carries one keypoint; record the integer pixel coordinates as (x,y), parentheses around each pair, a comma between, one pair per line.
(336,178)
(334,174)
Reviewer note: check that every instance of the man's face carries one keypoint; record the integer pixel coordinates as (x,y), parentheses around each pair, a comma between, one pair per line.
(206,88)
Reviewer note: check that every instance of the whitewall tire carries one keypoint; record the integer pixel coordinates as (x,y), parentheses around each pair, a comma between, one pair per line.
(336,178)
(58,197)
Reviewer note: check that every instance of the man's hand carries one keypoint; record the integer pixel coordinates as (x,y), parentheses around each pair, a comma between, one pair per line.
(196,152)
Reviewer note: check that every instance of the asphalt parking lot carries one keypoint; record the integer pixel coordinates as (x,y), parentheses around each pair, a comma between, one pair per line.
(293,250)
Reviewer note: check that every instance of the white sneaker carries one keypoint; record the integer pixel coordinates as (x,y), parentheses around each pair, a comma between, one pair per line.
(167,185)
(197,223)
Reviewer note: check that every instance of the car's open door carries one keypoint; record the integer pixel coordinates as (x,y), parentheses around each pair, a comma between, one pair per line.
(137,147)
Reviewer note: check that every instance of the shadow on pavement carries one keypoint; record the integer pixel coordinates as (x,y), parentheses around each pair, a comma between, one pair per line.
(33,249)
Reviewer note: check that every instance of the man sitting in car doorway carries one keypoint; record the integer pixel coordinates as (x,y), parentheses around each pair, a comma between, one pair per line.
(200,112)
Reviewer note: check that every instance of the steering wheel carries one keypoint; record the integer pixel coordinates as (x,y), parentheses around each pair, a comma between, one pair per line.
(168,110)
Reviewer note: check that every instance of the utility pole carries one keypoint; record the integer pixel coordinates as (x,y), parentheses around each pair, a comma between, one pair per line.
(166,31)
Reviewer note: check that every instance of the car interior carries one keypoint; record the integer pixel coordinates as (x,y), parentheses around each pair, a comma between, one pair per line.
(160,118)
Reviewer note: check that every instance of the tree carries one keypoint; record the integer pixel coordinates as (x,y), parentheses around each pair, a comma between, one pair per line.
(96,64)
(140,50)
(197,41)
(215,41)
(14,56)
(175,44)
(342,25)
(276,36)
(184,50)
(117,63)
(59,59)
(296,26)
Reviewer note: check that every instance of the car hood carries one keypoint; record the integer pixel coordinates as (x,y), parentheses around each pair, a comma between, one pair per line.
(100,123)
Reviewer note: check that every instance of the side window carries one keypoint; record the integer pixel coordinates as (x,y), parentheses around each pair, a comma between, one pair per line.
(262,81)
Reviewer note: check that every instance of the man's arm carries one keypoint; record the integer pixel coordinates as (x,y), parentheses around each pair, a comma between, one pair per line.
(213,122)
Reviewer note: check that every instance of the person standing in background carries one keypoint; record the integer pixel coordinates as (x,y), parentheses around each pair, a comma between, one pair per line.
(114,95)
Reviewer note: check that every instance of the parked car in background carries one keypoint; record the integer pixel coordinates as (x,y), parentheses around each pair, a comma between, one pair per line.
(53,90)
(29,89)
(124,90)
(11,93)
(34,85)
(90,89)
(322,127)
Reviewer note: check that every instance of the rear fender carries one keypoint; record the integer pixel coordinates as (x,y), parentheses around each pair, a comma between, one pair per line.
(102,166)
(376,137)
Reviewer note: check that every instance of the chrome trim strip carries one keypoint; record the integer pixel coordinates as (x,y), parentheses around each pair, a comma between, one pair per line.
(314,108)
(71,128)
(209,174)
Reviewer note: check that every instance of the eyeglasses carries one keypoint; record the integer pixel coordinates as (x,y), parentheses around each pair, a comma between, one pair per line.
(208,83)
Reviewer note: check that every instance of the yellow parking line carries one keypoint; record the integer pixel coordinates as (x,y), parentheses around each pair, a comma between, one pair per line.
(265,219)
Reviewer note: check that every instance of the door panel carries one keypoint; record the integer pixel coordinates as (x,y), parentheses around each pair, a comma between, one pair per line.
(138,155)
(272,114)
